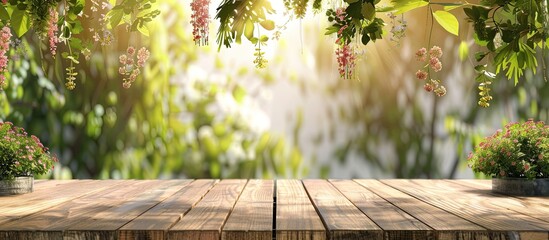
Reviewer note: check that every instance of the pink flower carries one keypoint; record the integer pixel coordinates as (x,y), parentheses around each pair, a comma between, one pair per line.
(346,60)
(435,64)
(440,91)
(421,75)
(130,69)
(5,36)
(200,19)
(526,167)
(142,56)
(123,58)
(130,51)
(428,87)
(435,52)
(52,30)
(340,13)
(420,54)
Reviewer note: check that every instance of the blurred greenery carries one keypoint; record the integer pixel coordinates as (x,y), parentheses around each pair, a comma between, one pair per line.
(159,128)
(194,115)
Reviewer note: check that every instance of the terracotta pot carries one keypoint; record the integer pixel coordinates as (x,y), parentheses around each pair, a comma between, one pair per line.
(19,185)
(521,186)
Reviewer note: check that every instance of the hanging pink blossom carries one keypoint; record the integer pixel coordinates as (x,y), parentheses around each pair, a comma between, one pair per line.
(420,54)
(130,69)
(52,31)
(200,19)
(142,56)
(435,64)
(5,36)
(435,52)
(346,60)
(421,75)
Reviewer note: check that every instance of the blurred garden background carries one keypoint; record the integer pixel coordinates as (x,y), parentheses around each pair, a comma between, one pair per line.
(197,112)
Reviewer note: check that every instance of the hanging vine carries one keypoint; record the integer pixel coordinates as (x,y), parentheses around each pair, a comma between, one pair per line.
(509,32)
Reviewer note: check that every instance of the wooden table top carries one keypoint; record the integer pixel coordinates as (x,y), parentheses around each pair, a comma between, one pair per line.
(267,209)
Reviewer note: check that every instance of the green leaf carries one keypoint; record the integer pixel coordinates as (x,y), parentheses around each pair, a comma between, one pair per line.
(4,15)
(480,55)
(249,29)
(115,18)
(448,21)
(368,11)
(451,6)
(402,6)
(254,40)
(77,28)
(463,51)
(268,24)
(20,22)
(143,29)
(365,39)
(330,30)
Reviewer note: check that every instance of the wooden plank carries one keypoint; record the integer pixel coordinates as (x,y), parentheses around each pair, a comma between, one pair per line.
(48,224)
(486,186)
(154,223)
(473,207)
(45,196)
(445,224)
(104,224)
(296,217)
(252,216)
(396,223)
(207,218)
(537,207)
(341,218)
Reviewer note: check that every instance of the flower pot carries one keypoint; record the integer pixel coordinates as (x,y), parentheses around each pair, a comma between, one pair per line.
(521,186)
(19,185)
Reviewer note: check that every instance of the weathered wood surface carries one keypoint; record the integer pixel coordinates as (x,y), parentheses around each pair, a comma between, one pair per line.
(271,209)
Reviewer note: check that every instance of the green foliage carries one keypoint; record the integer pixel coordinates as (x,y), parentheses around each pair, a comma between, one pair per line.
(104,131)
(239,17)
(511,31)
(402,6)
(21,154)
(358,19)
(519,150)
(135,13)
(448,21)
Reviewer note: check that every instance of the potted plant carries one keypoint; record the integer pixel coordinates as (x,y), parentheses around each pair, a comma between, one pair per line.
(517,158)
(21,157)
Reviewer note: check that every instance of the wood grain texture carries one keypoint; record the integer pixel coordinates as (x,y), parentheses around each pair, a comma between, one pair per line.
(238,209)
(396,223)
(105,223)
(445,224)
(472,206)
(207,218)
(46,195)
(296,217)
(155,222)
(341,218)
(252,216)
(50,223)
(537,207)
